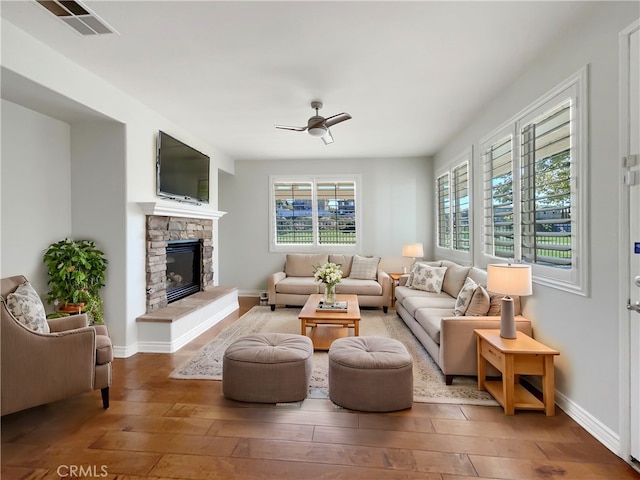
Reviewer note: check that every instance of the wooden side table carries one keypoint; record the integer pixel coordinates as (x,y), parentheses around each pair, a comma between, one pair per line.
(512,357)
(395,277)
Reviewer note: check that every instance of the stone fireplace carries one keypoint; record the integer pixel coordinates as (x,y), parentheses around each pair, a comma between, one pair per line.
(164,279)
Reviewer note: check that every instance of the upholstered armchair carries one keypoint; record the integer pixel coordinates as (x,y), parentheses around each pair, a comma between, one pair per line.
(39,368)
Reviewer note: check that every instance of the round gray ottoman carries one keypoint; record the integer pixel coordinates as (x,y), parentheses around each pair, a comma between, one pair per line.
(370,374)
(267,368)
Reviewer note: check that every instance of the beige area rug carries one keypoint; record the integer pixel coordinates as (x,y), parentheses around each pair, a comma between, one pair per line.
(428,383)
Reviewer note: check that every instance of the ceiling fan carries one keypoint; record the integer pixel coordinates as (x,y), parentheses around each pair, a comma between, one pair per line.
(318,126)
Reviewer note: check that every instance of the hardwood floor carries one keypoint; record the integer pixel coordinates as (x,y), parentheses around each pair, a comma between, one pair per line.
(161,428)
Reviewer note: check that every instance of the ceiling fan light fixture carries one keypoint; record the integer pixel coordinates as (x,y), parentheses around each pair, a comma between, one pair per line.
(318,131)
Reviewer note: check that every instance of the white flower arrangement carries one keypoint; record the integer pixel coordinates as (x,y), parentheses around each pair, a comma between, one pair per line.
(329,273)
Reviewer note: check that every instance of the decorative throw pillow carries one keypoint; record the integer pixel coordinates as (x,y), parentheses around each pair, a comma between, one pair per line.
(25,305)
(428,278)
(364,268)
(413,268)
(464,296)
(479,305)
(496,304)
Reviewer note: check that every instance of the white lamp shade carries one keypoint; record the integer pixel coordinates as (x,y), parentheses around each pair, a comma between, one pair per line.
(413,250)
(509,279)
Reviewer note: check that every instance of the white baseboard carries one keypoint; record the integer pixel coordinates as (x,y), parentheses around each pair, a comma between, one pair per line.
(595,427)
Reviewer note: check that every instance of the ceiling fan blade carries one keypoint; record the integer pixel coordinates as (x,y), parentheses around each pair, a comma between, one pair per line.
(341,117)
(327,138)
(296,129)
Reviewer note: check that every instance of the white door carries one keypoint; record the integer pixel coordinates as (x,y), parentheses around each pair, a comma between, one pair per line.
(630,147)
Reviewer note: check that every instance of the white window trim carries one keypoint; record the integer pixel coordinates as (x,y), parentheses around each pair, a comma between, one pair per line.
(577,279)
(450,253)
(315,247)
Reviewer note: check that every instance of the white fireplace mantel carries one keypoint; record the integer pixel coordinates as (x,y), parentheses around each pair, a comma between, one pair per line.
(167,209)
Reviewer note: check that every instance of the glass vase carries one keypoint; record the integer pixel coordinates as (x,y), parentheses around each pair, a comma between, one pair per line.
(329,294)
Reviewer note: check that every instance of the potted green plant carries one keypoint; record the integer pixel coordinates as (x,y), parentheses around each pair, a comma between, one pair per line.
(76,270)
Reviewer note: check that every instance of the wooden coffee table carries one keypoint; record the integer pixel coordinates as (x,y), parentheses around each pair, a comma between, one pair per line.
(326,326)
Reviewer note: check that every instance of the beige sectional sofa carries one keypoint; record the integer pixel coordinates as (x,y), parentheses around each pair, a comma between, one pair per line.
(294,284)
(449,338)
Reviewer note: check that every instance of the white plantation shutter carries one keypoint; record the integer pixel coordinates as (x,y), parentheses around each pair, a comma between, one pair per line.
(444,211)
(293,218)
(460,214)
(498,199)
(534,204)
(546,189)
(336,213)
(314,213)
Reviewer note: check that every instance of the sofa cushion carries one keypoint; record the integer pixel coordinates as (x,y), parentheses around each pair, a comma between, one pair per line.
(478,275)
(433,300)
(26,306)
(427,278)
(298,285)
(480,303)
(431,320)
(464,296)
(344,261)
(454,277)
(496,304)
(364,268)
(355,286)
(302,264)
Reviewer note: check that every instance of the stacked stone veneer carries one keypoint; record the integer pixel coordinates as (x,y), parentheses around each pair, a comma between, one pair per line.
(161,230)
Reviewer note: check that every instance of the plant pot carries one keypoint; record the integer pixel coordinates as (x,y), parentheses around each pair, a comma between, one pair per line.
(72,307)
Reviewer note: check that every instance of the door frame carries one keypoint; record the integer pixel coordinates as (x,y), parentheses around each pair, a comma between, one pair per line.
(624,315)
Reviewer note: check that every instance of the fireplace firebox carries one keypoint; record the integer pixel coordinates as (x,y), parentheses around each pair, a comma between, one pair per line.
(183,269)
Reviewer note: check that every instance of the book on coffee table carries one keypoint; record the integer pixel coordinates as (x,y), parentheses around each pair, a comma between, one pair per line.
(336,307)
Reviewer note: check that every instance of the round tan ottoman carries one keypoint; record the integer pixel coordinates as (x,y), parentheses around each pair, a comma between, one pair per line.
(370,374)
(267,368)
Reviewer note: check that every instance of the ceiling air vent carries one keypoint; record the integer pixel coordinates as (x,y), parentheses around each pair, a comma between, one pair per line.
(77,17)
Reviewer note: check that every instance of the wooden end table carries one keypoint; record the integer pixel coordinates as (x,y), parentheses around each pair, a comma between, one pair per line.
(395,278)
(512,357)
(327,325)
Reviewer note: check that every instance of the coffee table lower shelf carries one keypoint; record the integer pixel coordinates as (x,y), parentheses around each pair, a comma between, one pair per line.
(323,336)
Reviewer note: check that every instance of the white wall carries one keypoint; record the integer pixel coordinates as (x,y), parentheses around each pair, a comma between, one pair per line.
(36,190)
(583,329)
(396,202)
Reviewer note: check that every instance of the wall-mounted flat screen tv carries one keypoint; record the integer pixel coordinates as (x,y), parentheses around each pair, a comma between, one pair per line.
(182,171)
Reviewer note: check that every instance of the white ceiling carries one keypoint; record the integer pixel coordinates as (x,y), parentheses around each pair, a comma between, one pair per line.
(410,73)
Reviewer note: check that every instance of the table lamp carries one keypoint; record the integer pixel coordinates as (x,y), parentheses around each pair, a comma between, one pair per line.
(508,279)
(412,250)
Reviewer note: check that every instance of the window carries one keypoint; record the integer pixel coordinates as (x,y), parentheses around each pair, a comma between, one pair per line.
(533,206)
(453,222)
(314,213)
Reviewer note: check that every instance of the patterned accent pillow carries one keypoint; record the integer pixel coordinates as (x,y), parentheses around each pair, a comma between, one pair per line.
(25,305)
(364,268)
(464,296)
(480,303)
(413,269)
(428,278)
